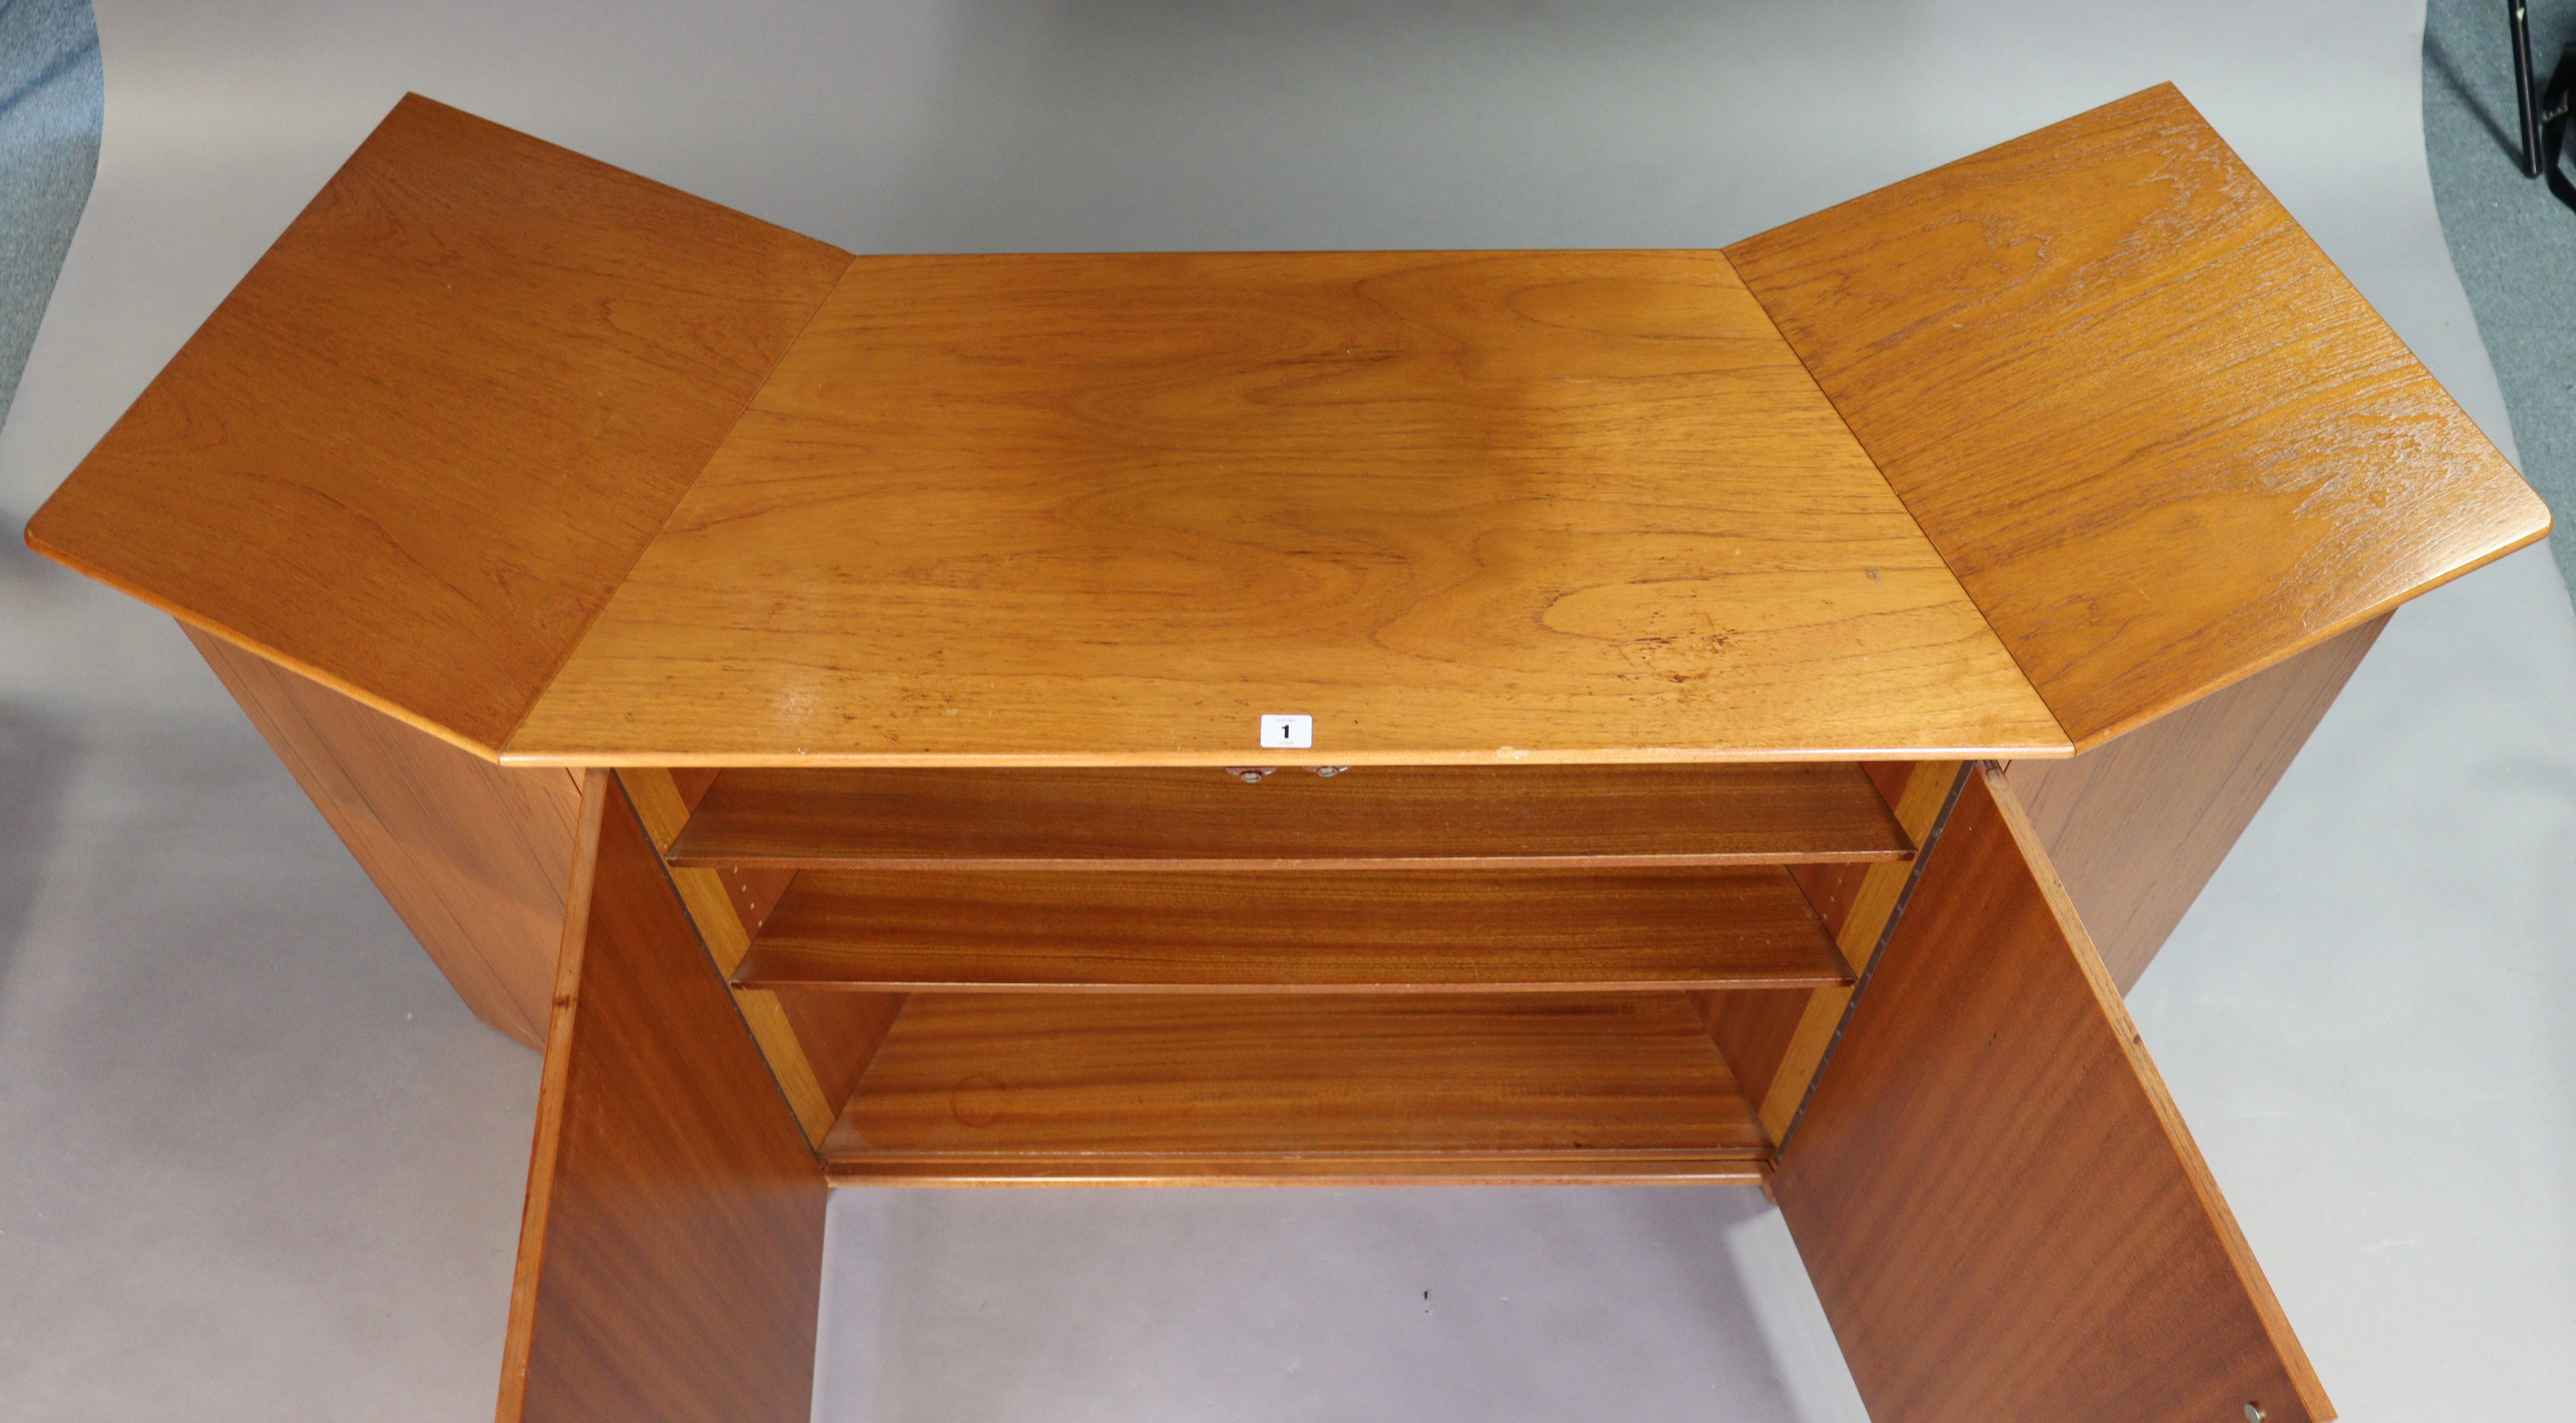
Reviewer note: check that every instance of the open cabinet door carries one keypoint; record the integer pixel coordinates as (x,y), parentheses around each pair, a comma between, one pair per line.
(2000,1207)
(671,1257)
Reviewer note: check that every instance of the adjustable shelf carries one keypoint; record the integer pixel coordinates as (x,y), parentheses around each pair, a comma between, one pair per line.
(1388,974)
(1375,817)
(998,1088)
(1354,931)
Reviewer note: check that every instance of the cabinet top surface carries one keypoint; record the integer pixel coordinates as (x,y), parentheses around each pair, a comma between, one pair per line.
(1449,505)
(568,467)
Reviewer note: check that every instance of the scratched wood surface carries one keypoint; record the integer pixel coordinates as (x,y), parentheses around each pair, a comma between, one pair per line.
(1454,506)
(1503,506)
(2160,439)
(1198,818)
(414,450)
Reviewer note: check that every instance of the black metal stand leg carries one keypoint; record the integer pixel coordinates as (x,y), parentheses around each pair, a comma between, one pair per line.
(2520,13)
(2553,119)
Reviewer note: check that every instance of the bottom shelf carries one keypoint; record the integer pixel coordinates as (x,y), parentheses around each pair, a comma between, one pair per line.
(1171,1089)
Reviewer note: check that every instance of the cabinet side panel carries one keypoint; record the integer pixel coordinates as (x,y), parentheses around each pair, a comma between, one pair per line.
(475,857)
(817,1049)
(671,1262)
(2136,826)
(2003,1214)
(840,1033)
(1775,1041)
(1756,1030)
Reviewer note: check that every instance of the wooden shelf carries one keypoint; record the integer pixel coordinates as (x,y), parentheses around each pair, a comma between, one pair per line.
(1383,817)
(1362,931)
(1416,1087)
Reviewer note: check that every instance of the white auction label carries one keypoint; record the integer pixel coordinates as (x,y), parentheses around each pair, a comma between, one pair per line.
(1295,733)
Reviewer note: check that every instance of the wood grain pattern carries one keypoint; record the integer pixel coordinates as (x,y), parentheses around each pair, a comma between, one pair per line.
(671,1260)
(816,1050)
(1358,932)
(1455,506)
(2136,827)
(1758,1030)
(476,858)
(1378,817)
(537,1206)
(1778,1040)
(2002,1212)
(2160,439)
(1641,1168)
(1755,1029)
(416,448)
(1835,889)
(840,1032)
(1916,791)
(664,800)
(1277,1087)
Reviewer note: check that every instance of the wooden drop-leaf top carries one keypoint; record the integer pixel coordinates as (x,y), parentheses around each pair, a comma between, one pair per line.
(572,469)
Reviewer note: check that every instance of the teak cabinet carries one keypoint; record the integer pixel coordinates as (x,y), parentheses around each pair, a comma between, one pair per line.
(1753,712)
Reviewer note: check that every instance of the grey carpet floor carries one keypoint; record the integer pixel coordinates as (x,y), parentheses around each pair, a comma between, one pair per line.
(53,103)
(2513,242)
